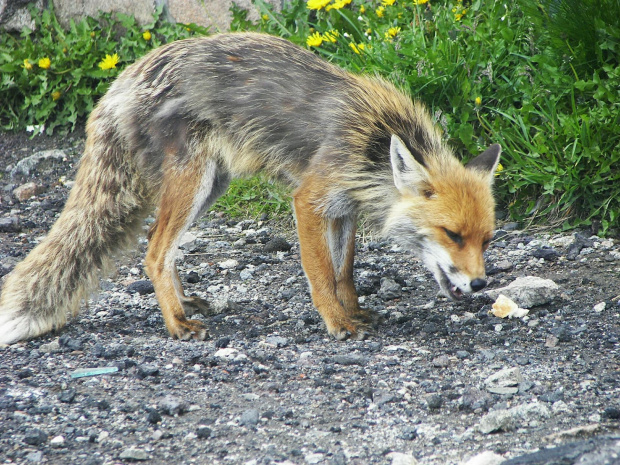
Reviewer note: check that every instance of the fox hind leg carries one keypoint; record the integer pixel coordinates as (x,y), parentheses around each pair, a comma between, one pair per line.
(185,192)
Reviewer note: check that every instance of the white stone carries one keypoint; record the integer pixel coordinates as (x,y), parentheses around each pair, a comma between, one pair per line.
(485,458)
(528,291)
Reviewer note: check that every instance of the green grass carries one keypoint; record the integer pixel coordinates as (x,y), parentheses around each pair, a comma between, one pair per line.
(540,77)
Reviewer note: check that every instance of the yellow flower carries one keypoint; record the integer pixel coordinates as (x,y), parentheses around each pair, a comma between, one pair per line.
(146,35)
(92,33)
(379,11)
(361,47)
(392,32)
(420,2)
(478,101)
(388,2)
(109,62)
(331,36)
(499,169)
(314,40)
(337,5)
(45,63)
(56,95)
(27,64)
(265,17)
(354,48)
(317,4)
(362,9)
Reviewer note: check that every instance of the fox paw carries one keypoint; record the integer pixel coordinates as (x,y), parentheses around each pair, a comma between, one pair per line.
(189,329)
(357,327)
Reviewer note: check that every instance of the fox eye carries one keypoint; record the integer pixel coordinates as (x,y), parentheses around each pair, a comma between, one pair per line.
(454,237)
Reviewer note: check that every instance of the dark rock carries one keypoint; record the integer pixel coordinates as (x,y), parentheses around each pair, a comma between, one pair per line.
(203,432)
(349,360)
(613,413)
(474,398)
(192,277)
(222,342)
(10,225)
(142,287)
(390,289)
(578,244)
(67,396)
(277,244)
(153,417)
(35,437)
(434,401)
(596,451)
(146,369)
(171,405)
(547,253)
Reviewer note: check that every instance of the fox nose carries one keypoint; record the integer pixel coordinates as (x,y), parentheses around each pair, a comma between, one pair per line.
(478,284)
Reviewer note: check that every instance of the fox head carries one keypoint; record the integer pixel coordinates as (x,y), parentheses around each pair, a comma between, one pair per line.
(445,213)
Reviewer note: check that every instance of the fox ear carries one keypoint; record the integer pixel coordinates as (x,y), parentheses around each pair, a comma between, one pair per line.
(487,161)
(410,175)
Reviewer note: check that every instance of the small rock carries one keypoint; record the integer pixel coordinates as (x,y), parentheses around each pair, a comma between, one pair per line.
(442,361)
(203,432)
(246,274)
(10,225)
(188,241)
(35,457)
(146,369)
(314,458)
(390,289)
(598,308)
(277,244)
(28,164)
(547,253)
(50,348)
(249,417)
(172,406)
(133,453)
(434,402)
(349,360)
(528,291)
(58,441)
(509,419)
(192,277)
(142,287)
(399,458)
(67,396)
(551,341)
(229,264)
(277,341)
(25,191)
(154,417)
(508,377)
(35,437)
(499,267)
(485,458)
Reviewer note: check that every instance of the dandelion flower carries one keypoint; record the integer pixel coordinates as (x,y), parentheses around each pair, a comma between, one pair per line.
(45,63)
(380,11)
(317,4)
(354,48)
(337,5)
(27,64)
(499,169)
(331,36)
(388,2)
(478,101)
(146,35)
(392,32)
(362,9)
(265,17)
(314,40)
(56,95)
(420,2)
(109,62)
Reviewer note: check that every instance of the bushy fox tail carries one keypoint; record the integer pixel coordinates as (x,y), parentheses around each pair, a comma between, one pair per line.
(103,214)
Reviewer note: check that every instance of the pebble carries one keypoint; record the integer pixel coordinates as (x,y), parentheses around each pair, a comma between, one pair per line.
(35,437)
(510,419)
(249,417)
(203,432)
(134,453)
(350,360)
(35,457)
(598,308)
(58,441)
(142,287)
(390,289)
(171,405)
(485,458)
(400,458)
(277,244)
(528,291)
(10,224)
(25,191)
(443,361)
(314,458)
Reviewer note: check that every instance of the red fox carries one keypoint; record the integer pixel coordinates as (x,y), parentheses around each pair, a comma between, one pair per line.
(178,124)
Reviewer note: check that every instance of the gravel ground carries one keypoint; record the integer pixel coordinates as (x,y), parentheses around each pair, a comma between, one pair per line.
(439,383)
